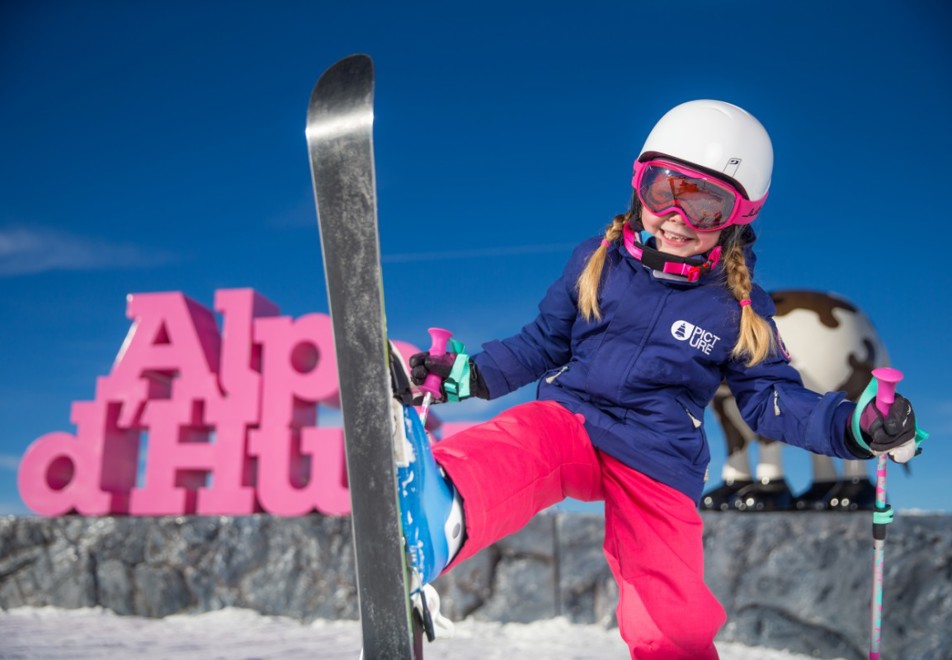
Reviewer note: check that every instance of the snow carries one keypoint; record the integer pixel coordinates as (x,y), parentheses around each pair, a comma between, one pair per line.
(55,633)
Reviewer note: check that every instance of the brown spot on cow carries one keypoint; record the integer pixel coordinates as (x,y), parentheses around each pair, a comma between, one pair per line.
(861,372)
(822,303)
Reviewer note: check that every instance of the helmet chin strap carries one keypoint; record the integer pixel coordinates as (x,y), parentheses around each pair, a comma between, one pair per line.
(691,268)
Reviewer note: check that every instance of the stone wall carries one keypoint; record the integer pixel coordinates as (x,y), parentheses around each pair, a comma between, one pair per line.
(796,581)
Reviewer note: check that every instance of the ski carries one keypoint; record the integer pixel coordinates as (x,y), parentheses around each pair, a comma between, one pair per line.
(340,146)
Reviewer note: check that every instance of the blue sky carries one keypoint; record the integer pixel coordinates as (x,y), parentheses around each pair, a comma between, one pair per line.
(159,146)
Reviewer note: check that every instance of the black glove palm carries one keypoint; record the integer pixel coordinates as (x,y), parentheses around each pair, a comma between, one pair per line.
(890,433)
(423,364)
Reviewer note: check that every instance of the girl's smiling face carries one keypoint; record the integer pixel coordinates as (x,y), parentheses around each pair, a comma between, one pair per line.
(676,237)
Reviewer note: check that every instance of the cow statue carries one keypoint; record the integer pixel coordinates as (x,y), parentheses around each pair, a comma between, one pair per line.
(835,348)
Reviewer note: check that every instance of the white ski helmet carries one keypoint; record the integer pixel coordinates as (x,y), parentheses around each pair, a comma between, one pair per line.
(719,137)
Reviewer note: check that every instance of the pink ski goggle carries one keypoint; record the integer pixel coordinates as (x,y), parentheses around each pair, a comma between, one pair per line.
(705,202)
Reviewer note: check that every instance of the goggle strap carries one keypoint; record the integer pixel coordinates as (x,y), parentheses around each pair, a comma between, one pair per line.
(693,273)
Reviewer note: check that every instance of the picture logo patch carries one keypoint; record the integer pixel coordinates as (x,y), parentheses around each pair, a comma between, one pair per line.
(696,336)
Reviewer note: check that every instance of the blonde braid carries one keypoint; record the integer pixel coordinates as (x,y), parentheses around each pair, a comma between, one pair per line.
(591,276)
(756,340)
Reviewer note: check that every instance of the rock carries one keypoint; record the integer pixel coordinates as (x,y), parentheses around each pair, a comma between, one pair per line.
(787,580)
(587,590)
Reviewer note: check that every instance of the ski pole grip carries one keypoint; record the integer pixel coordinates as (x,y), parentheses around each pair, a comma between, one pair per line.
(886,379)
(438,339)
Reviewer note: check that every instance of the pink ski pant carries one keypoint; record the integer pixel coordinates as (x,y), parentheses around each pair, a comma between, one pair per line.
(537,454)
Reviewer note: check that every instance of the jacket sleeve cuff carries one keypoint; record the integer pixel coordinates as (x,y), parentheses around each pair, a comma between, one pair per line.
(495,383)
(854,447)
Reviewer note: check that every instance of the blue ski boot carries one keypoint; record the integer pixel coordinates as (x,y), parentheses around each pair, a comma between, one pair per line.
(431,511)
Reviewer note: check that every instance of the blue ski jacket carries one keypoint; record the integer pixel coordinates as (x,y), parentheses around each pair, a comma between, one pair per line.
(642,375)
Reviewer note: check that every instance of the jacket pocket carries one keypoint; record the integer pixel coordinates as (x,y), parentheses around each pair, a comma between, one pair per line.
(694,420)
(699,452)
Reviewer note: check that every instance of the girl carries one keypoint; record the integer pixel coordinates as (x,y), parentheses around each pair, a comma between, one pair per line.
(629,346)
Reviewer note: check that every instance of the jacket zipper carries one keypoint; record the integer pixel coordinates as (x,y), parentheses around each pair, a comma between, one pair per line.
(558,373)
(694,420)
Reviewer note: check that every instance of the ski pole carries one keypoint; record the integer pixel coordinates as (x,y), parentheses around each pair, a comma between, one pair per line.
(886,379)
(431,386)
